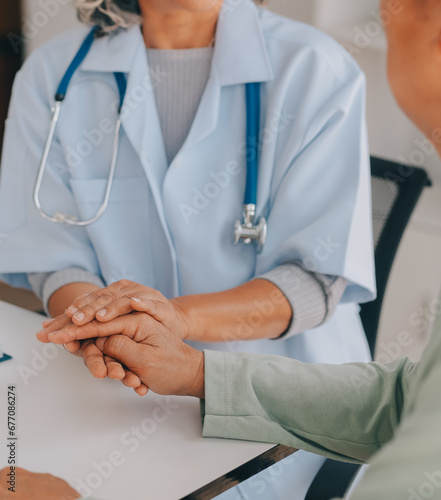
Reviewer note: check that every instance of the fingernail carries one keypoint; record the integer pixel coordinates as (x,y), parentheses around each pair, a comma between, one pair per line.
(52,335)
(48,322)
(72,310)
(100,343)
(79,316)
(136,300)
(66,346)
(103,312)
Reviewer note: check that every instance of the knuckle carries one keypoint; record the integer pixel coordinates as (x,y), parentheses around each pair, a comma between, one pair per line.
(108,296)
(95,326)
(125,283)
(157,294)
(115,344)
(90,308)
(94,295)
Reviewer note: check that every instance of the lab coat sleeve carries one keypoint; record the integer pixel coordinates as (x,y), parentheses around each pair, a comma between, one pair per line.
(319,210)
(344,412)
(46,284)
(28,243)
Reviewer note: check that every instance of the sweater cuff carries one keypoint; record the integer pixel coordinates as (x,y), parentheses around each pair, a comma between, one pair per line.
(313,297)
(65,277)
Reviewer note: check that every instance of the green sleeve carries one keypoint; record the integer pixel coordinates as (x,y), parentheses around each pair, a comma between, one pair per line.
(409,467)
(345,412)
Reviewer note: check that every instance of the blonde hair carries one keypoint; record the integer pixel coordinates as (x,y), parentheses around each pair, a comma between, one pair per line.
(112,15)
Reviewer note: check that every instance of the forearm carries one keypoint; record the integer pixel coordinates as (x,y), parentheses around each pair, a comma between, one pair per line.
(45,285)
(256,310)
(62,298)
(346,412)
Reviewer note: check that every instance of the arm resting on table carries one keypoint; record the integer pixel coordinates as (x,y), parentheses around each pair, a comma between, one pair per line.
(344,412)
(284,302)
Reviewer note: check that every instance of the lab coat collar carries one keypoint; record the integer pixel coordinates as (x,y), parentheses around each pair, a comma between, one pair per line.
(240,54)
(114,53)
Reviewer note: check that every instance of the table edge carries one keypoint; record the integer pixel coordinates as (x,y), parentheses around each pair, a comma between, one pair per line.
(241,473)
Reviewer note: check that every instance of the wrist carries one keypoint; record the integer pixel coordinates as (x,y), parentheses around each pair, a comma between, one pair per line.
(189,317)
(197,385)
(62,298)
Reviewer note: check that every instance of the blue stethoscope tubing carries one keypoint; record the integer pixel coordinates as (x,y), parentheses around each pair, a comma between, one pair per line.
(245,231)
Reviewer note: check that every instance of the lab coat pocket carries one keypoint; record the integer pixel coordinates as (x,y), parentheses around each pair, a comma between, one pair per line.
(89,194)
(127,199)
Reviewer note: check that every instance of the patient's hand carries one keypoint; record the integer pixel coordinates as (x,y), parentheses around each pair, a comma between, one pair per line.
(164,363)
(30,486)
(99,365)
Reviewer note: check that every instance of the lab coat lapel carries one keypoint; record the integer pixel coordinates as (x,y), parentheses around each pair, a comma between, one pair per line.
(142,126)
(240,57)
(140,119)
(125,52)
(139,114)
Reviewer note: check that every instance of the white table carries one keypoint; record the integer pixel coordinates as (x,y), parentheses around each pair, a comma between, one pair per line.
(74,426)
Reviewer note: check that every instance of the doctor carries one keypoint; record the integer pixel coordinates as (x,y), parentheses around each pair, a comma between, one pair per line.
(181,174)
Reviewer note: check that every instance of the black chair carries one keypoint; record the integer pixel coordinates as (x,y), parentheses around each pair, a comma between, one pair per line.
(396,190)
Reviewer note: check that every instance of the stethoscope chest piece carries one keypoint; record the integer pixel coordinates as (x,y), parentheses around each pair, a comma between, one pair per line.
(248,232)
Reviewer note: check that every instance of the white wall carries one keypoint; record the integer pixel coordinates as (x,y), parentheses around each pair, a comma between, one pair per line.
(304,11)
(412,296)
(41,22)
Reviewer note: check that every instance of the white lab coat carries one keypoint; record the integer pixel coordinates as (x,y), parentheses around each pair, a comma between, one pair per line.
(171,227)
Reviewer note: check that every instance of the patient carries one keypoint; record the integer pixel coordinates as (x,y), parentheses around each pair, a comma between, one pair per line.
(387,415)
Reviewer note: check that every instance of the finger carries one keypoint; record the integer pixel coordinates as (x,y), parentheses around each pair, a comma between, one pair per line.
(156,309)
(73,347)
(121,347)
(118,307)
(125,304)
(92,330)
(115,370)
(86,309)
(82,299)
(48,322)
(131,380)
(79,353)
(56,324)
(94,359)
(141,390)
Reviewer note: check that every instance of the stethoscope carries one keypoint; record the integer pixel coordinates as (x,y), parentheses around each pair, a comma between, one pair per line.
(248,230)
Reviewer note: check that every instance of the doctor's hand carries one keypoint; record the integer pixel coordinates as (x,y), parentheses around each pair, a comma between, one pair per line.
(122,298)
(163,362)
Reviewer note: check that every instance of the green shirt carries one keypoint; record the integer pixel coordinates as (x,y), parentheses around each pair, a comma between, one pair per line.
(387,415)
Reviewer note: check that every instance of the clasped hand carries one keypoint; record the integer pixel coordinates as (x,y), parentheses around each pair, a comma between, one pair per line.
(130,333)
